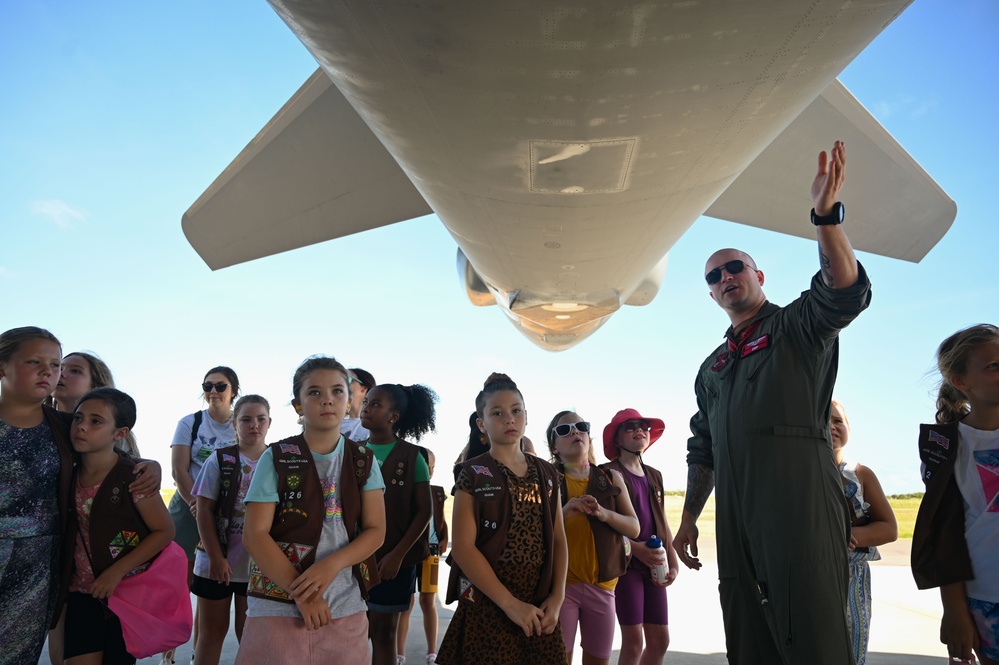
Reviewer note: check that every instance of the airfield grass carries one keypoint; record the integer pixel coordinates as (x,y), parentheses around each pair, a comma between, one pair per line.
(905,506)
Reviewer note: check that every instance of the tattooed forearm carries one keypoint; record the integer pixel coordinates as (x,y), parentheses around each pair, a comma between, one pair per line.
(825,265)
(700,483)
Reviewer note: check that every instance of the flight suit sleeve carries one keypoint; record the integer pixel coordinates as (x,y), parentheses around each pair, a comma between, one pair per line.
(821,312)
(699,444)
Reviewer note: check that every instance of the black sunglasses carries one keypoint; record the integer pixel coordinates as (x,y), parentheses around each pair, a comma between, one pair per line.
(219,387)
(632,425)
(733,268)
(563,430)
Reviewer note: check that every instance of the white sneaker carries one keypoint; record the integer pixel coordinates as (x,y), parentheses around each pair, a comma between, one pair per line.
(166,659)
(399,660)
(431,659)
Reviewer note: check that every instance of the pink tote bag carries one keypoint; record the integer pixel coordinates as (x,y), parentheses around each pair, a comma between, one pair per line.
(154,606)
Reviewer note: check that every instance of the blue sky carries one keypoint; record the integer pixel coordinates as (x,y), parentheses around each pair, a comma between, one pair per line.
(115,117)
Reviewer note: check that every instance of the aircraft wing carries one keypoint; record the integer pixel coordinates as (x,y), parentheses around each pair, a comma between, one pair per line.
(893,207)
(315,172)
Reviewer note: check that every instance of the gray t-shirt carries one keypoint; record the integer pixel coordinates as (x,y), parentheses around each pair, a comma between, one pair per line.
(343,595)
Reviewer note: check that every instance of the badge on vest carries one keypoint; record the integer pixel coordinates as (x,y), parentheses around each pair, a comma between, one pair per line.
(262,585)
(487,491)
(482,470)
(290,449)
(467,591)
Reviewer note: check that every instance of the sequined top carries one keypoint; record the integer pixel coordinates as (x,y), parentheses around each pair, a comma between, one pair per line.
(29,472)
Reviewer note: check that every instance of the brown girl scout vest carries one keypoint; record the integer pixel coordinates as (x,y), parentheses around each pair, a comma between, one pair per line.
(299,513)
(656,498)
(613,562)
(493,509)
(116,527)
(400,502)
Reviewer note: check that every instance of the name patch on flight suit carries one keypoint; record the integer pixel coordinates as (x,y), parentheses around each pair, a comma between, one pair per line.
(755,345)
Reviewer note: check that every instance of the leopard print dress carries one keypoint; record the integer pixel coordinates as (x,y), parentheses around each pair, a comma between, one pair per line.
(481,633)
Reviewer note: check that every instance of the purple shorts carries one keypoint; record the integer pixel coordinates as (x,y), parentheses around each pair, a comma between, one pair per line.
(593,608)
(640,600)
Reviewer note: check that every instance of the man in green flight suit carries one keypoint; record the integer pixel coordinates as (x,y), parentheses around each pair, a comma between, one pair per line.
(761,441)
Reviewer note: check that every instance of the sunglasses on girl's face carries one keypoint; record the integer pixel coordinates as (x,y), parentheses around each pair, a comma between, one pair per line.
(732,267)
(631,426)
(564,430)
(219,387)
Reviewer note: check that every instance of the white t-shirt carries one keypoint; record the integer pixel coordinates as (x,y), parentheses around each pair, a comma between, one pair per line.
(343,595)
(977,472)
(208,485)
(353,430)
(211,435)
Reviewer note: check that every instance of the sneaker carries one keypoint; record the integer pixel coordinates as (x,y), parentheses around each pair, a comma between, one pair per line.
(399,660)
(431,659)
(166,659)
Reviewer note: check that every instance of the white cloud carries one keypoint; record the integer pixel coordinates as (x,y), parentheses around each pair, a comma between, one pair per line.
(907,106)
(59,212)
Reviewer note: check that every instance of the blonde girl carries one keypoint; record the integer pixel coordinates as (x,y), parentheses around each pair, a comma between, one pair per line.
(598,517)
(222,564)
(36,465)
(956,536)
(873,524)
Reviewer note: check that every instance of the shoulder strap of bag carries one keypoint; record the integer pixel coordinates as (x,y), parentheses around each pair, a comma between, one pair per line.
(196,426)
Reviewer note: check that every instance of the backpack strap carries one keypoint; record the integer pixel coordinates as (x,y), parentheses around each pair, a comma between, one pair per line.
(196,426)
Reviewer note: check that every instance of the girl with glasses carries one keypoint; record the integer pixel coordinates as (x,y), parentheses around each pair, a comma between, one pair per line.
(508,553)
(598,518)
(197,436)
(640,601)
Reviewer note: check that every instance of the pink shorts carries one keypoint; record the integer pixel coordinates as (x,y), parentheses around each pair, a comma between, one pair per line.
(593,608)
(286,641)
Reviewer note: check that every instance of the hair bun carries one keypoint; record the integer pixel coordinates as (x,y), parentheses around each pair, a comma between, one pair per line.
(498,377)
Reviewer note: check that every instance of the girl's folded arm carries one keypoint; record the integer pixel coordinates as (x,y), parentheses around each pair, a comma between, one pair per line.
(370,538)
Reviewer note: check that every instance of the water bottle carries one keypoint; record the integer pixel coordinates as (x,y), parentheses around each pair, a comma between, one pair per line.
(659,572)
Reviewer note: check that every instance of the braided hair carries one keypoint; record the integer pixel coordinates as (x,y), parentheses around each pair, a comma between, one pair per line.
(952,361)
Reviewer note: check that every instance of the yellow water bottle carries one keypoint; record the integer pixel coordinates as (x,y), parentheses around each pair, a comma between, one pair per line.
(428,575)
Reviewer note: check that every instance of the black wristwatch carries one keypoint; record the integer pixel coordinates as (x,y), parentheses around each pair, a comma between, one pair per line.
(834,217)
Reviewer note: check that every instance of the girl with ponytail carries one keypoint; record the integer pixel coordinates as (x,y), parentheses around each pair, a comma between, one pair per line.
(393,413)
(956,536)
(508,557)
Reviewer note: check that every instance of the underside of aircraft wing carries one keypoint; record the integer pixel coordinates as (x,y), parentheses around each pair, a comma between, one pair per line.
(315,172)
(894,208)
